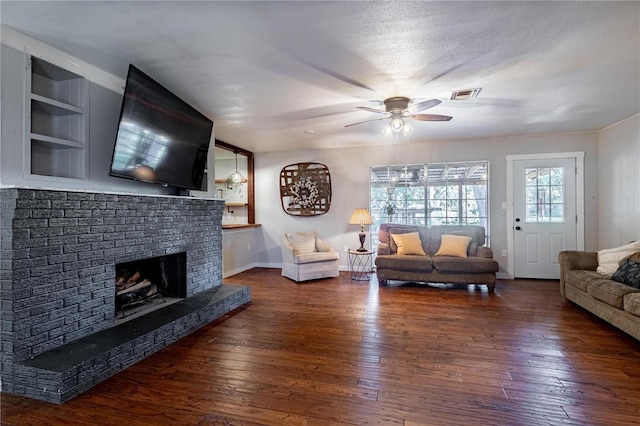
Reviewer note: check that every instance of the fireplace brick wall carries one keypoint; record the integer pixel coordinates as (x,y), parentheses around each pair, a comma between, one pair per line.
(58,251)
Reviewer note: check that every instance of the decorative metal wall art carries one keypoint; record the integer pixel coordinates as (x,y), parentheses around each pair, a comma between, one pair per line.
(305,189)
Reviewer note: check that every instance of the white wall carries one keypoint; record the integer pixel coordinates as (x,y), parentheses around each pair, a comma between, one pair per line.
(349,168)
(619,183)
(105,99)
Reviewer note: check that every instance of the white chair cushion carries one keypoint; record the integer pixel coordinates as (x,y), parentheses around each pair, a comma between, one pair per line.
(305,243)
(316,257)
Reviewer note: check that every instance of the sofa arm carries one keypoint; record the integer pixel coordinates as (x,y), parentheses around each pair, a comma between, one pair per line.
(383,249)
(485,252)
(573,259)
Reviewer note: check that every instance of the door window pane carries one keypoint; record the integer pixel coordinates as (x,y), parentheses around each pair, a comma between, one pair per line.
(544,194)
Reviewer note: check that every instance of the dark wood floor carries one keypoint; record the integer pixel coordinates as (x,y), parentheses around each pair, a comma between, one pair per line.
(340,352)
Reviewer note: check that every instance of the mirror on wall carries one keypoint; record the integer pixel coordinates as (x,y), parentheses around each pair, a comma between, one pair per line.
(234,183)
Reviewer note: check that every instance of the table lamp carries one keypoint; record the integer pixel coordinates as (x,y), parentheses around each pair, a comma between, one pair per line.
(361,217)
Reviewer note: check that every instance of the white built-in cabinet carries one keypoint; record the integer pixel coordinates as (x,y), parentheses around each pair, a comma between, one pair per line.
(56,126)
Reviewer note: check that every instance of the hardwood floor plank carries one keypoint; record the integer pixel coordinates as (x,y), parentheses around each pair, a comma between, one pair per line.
(336,352)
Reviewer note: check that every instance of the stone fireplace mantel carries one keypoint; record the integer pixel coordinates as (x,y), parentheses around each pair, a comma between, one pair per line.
(58,251)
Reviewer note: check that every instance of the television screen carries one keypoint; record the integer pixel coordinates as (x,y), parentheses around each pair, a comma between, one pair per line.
(161,139)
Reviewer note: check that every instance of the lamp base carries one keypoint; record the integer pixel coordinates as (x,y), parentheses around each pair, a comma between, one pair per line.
(362,236)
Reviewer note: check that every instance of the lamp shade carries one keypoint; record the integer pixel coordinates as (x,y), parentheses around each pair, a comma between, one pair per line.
(360,217)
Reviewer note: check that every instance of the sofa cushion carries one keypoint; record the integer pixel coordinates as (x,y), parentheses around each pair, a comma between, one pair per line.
(324,256)
(407,263)
(609,259)
(582,279)
(628,273)
(408,243)
(453,245)
(610,292)
(631,303)
(478,265)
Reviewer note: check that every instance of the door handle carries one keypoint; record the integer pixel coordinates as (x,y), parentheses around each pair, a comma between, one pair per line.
(518,228)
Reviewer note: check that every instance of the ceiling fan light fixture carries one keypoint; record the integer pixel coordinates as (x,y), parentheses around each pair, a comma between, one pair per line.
(397,123)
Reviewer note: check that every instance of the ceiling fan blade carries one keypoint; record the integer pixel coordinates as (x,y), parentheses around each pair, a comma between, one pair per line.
(366,121)
(379,111)
(430,117)
(421,106)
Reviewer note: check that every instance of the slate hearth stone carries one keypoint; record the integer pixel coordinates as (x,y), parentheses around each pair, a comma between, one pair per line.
(64,372)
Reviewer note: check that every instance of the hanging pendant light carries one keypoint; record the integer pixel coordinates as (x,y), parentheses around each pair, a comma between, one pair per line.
(236,177)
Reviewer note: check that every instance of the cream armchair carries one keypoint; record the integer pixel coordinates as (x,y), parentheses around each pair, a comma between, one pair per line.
(307,257)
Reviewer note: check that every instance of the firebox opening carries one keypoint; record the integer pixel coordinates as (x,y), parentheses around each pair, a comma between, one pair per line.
(145,285)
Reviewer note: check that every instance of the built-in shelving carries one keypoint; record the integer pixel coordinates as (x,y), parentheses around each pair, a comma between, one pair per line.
(56,134)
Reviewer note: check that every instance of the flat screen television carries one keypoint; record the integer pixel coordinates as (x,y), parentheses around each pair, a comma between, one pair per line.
(161,139)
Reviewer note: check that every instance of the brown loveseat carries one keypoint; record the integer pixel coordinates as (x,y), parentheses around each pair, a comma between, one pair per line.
(478,267)
(614,302)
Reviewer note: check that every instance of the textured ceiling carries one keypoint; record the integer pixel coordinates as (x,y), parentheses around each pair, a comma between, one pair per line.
(266,72)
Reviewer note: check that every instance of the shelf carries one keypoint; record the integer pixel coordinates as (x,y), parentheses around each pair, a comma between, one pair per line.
(56,129)
(52,82)
(53,107)
(56,143)
(225,181)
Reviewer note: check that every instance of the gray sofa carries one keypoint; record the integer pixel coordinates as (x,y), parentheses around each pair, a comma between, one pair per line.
(614,302)
(478,267)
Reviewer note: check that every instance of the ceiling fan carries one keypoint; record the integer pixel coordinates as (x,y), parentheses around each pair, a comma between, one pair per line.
(397,109)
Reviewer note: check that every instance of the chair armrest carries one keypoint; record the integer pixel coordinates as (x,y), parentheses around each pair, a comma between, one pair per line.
(322,246)
(485,252)
(383,248)
(288,251)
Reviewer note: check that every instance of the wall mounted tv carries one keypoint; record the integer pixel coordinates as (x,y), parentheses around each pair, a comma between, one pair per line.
(161,139)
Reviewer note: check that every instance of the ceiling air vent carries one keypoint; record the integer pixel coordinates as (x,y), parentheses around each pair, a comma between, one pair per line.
(465,95)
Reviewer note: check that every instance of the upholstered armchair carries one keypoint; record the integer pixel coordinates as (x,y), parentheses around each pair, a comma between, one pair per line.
(307,257)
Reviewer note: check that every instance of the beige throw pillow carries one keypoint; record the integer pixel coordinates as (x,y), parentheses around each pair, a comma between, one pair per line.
(409,243)
(453,245)
(304,243)
(608,259)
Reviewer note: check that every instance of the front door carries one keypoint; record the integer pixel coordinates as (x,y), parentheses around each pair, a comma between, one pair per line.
(544,213)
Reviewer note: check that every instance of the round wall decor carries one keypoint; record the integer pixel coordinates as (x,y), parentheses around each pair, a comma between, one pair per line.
(305,189)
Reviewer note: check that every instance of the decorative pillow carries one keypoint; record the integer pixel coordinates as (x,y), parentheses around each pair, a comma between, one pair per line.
(453,245)
(608,259)
(635,257)
(304,243)
(472,250)
(395,230)
(628,273)
(408,243)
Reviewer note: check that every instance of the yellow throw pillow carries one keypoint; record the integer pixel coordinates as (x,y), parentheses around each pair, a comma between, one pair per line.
(453,245)
(408,243)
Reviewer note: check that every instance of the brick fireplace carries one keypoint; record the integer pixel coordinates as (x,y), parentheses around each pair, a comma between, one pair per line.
(58,257)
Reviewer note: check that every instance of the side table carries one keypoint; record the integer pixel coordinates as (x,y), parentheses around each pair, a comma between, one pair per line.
(361,264)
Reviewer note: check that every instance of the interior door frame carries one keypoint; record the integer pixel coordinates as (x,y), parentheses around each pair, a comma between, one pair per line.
(579,159)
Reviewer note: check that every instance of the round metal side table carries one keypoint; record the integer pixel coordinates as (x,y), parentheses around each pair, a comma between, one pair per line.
(361,264)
